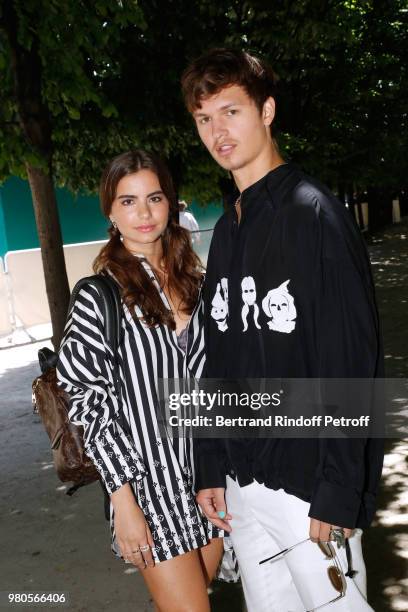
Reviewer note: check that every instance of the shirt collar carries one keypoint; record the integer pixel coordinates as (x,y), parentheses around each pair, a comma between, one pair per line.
(265,184)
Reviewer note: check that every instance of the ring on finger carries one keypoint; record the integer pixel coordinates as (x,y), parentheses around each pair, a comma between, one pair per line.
(337,535)
(145,548)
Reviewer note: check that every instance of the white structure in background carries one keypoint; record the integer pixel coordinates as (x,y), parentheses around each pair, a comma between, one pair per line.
(24,311)
(23,297)
(6,326)
(396,211)
(364,214)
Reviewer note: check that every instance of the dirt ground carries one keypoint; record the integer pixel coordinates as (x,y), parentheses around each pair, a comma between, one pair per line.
(55,543)
(52,542)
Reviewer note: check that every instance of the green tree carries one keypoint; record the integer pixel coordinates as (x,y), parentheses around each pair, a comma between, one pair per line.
(54,56)
(81,82)
(341,66)
(343,88)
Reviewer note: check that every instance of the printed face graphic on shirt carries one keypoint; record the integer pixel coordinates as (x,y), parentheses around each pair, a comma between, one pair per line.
(249,299)
(279,305)
(248,290)
(219,305)
(224,287)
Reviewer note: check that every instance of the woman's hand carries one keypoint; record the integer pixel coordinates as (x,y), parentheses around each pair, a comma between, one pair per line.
(132,531)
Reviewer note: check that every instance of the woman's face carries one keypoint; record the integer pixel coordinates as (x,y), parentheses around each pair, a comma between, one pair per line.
(141,211)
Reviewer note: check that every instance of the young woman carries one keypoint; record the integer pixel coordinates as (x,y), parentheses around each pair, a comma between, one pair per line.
(155,522)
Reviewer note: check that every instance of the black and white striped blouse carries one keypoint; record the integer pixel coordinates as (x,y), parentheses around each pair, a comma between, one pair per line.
(122,438)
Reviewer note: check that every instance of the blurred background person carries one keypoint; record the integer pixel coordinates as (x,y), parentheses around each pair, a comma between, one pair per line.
(189,222)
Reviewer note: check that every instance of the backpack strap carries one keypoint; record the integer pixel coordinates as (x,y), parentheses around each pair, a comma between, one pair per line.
(111,305)
(111,311)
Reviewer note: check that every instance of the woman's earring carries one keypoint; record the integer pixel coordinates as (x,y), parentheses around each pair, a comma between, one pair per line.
(115,225)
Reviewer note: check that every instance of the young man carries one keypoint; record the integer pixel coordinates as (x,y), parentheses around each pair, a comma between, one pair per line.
(288,294)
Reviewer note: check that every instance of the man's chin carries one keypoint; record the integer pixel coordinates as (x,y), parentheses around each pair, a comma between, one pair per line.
(228,164)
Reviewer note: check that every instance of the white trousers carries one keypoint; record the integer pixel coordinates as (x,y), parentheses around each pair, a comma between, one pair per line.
(264,522)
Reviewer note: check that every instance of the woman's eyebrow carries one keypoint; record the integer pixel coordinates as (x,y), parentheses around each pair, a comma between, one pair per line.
(135,197)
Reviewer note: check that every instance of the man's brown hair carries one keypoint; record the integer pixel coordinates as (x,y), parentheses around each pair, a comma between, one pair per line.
(220,68)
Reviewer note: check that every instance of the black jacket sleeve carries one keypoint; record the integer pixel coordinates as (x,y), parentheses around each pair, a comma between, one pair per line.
(209,464)
(349,347)
(209,460)
(209,453)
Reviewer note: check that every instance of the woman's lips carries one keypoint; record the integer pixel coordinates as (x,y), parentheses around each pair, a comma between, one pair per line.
(145,228)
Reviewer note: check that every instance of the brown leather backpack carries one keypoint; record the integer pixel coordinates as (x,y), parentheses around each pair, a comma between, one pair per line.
(52,403)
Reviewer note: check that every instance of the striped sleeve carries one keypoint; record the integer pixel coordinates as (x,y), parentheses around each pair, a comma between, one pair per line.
(196,354)
(84,371)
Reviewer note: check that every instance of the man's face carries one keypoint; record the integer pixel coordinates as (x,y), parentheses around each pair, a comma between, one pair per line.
(232,128)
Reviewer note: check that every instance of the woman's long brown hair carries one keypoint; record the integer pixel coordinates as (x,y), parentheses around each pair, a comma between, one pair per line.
(180,261)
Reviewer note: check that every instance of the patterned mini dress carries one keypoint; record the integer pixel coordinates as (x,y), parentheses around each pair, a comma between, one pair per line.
(121,435)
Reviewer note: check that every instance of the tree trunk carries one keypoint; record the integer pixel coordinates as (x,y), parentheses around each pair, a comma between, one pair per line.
(52,253)
(36,127)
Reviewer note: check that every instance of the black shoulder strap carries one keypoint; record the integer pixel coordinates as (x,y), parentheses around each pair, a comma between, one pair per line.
(112,309)
(111,305)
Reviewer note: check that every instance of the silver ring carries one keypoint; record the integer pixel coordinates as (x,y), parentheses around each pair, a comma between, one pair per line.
(337,535)
(144,548)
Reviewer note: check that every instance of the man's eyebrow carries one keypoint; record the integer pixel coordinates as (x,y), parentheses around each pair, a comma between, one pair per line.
(224,107)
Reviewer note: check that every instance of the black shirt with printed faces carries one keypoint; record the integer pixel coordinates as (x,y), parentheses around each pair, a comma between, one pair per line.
(289,294)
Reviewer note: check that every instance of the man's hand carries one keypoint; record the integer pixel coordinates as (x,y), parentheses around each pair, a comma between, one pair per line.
(212,503)
(320,531)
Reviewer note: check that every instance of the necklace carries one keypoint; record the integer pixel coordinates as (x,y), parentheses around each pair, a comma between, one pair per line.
(161,277)
(237,207)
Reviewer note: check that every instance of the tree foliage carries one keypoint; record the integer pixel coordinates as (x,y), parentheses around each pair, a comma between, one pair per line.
(75,42)
(82,82)
(50,57)
(111,75)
